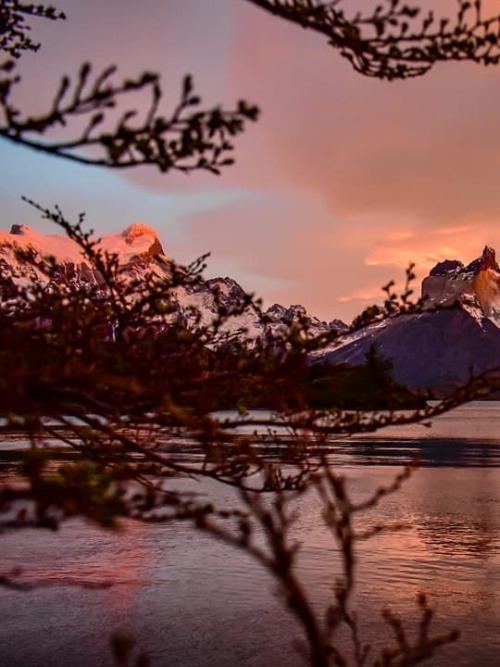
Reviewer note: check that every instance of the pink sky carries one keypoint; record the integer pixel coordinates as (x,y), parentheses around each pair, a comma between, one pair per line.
(341,183)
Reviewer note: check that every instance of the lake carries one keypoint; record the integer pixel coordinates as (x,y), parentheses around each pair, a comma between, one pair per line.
(191,601)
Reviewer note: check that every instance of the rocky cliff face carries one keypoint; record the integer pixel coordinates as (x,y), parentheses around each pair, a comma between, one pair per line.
(475,286)
(440,348)
(140,253)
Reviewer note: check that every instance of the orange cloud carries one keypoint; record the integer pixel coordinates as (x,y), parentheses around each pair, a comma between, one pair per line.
(369,294)
(425,246)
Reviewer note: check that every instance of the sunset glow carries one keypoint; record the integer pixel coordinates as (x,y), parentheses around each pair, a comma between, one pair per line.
(340,185)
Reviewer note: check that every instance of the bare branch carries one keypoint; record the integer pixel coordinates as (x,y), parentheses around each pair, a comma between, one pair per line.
(397,40)
(189,139)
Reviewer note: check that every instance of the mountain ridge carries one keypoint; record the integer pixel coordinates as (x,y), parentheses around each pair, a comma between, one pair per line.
(453,336)
(140,253)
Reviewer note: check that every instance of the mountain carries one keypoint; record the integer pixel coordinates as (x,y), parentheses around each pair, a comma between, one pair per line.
(141,254)
(456,334)
(138,248)
(476,287)
(454,338)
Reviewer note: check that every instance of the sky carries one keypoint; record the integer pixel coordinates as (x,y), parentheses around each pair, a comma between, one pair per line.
(340,185)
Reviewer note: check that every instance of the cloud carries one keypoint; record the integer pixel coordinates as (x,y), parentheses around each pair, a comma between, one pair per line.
(427,147)
(365,295)
(342,182)
(426,247)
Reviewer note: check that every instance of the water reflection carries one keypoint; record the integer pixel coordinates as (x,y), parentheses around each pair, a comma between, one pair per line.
(193,601)
(427,452)
(450,535)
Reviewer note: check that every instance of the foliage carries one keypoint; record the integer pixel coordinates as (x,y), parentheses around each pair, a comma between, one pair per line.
(107,369)
(366,387)
(14,31)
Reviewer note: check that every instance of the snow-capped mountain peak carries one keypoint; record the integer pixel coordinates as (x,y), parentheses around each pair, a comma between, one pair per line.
(137,240)
(140,253)
(140,239)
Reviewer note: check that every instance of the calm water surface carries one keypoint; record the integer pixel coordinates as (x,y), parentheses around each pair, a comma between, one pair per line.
(193,602)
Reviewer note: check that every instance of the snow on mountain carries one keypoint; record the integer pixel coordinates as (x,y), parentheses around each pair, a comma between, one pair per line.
(211,295)
(140,252)
(136,240)
(280,317)
(137,246)
(252,323)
